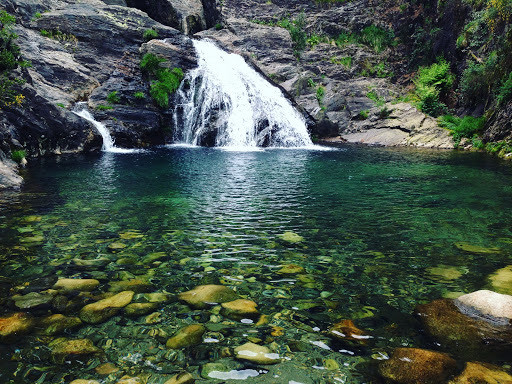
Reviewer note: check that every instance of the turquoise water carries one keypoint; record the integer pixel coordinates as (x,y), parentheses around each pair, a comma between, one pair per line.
(380,229)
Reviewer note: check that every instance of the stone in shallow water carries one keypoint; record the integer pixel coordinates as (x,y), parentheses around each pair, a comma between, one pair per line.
(130,380)
(203,296)
(501,280)
(106,369)
(479,373)
(65,349)
(291,269)
(135,285)
(414,365)
(487,303)
(476,248)
(116,247)
(186,337)
(57,323)
(139,309)
(346,330)
(467,337)
(104,309)
(445,272)
(129,235)
(32,300)
(181,378)
(76,284)
(82,381)
(15,325)
(291,237)
(255,353)
(240,309)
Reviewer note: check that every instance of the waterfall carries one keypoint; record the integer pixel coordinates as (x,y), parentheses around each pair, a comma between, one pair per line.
(80,109)
(226,103)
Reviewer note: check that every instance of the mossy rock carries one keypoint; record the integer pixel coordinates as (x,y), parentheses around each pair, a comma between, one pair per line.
(186,337)
(104,309)
(203,296)
(480,373)
(291,238)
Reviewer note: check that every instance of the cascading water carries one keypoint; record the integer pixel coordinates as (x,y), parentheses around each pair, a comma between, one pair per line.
(226,103)
(80,109)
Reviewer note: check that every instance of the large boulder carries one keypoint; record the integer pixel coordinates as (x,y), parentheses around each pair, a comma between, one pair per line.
(479,373)
(414,366)
(469,327)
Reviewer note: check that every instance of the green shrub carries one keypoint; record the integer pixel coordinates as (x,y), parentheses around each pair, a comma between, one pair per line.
(372,95)
(477,143)
(377,38)
(363,115)
(167,81)
(113,97)
(18,155)
(219,26)
(150,34)
(103,107)
(296,28)
(150,63)
(320,94)
(466,127)
(432,83)
(477,80)
(139,95)
(499,148)
(505,94)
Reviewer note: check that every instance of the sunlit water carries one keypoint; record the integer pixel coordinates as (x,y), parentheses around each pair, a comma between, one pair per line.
(374,222)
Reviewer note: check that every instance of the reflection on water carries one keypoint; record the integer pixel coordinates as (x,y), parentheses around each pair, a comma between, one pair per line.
(371,233)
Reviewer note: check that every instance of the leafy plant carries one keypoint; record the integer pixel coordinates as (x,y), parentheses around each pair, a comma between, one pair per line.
(219,26)
(477,80)
(150,63)
(103,107)
(150,34)
(18,155)
(377,38)
(466,127)
(363,115)
(505,94)
(320,94)
(296,28)
(139,95)
(372,95)
(113,97)
(432,83)
(167,81)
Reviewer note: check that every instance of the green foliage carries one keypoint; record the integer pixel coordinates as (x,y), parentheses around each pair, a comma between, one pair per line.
(18,155)
(315,39)
(372,95)
(61,105)
(103,107)
(9,60)
(219,26)
(320,94)
(375,70)
(36,16)
(363,115)
(149,34)
(432,83)
(477,143)
(56,34)
(167,81)
(500,148)
(113,97)
(477,80)
(139,95)
(422,42)
(345,61)
(372,36)
(466,127)
(505,94)
(311,83)
(297,31)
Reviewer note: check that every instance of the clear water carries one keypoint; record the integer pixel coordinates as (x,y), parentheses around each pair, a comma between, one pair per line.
(374,222)
(226,103)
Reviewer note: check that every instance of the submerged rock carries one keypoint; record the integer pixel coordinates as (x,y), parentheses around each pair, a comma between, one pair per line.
(186,337)
(106,369)
(76,284)
(139,309)
(130,380)
(240,309)
(65,349)
(15,325)
(32,300)
(181,378)
(255,353)
(468,335)
(291,237)
(56,324)
(102,310)
(414,366)
(291,269)
(476,248)
(82,381)
(203,296)
(479,373)
(501,280)
(346,330)
(135,285)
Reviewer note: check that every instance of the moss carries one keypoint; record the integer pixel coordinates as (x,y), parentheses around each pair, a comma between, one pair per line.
(18,155)
(149,34)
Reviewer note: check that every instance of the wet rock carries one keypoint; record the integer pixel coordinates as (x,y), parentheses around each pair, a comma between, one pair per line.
(82,381)
(41,284)
(479,373)
(154,318)
(291,238)
(346,330)
(102,310)
(257,354)
(203,296)
(158,297)
(68,350)
(186,337)
(445,272)
(501,280)
(491,305)
(76,284)
(130,380)
(240,309)
(139,309)
(116,247)
(181,378)
(56,324)
(291,269)
(15,325)
(135,285)
(476,248)
(212,368)
(467,335)
(413,365)
(32,300)
(106,369)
